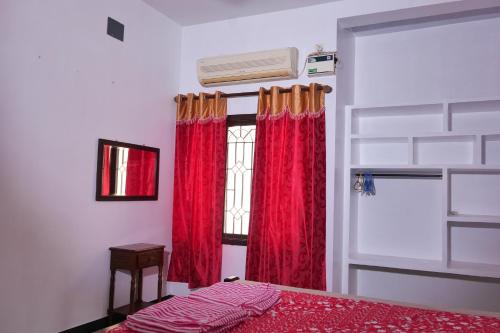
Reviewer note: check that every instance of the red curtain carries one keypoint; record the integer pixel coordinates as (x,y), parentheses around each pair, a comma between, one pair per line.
(141,172)
(199,177)
(105,170)
(286,241)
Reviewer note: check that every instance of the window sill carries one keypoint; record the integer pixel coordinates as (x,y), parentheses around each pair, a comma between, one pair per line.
(234,241)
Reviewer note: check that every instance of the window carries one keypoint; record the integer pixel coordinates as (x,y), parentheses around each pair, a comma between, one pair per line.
(118,159)
(121,170)
(239,171)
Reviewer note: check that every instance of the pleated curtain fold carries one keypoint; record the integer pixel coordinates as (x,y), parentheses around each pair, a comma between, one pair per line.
(286,241)
(199,177)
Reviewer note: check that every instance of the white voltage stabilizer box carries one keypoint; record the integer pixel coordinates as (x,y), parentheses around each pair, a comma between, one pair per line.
(321,64)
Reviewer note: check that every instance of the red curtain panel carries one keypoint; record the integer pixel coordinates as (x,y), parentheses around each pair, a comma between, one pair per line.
(141,172)
(105,170)
(199,176)
(286,241)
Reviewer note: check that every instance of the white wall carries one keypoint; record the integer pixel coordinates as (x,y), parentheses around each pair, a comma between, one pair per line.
(456,60)
(64,83)
(302,28)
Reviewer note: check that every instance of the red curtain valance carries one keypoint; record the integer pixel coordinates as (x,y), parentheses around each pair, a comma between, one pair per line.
(298,102)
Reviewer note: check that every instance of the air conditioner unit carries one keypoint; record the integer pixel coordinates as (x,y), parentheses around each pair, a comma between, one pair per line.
(249,67)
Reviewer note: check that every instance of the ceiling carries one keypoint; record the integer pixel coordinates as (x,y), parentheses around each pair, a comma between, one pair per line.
(190,12)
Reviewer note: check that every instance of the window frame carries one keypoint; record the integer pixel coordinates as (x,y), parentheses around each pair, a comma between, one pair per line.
(235,120)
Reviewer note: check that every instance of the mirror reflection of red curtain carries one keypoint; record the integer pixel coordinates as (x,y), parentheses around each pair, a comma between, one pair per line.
(199,177)
(141,172)
(105,170)
(286,240)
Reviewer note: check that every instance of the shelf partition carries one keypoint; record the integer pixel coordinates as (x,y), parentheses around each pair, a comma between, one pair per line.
(395,262)
(490,145)
(476,114)
(425,265)
(424,117)
(461,218)
(440,139)
(474,269)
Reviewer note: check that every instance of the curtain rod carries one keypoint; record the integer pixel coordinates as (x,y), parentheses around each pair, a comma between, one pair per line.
(326,88)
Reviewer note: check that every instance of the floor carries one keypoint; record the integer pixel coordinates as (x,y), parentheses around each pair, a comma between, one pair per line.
(104,329)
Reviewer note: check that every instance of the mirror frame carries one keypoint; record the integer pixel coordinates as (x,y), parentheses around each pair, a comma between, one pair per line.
(100,149)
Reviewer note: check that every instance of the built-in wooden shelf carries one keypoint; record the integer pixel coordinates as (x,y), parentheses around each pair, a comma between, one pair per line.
(481,169)
(474,219)
(452,139)
(474,269)
(415,264)
(429,135)
(395,168)
(427,104)
(426,265)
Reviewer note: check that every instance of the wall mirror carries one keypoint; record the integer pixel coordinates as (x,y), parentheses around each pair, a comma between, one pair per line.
(126,172)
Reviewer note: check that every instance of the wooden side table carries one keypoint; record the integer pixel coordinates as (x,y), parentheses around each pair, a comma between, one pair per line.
(133,258)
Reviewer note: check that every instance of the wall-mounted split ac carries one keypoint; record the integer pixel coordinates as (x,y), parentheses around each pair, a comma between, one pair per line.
(249,67)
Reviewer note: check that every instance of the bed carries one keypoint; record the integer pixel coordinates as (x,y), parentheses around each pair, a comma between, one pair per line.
(302,310)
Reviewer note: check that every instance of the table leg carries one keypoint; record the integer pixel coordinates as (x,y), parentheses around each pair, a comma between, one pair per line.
(132,291)
(111,291)
(139,287)
(160,281)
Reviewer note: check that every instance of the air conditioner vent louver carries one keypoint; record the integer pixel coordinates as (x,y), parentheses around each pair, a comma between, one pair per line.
(256,66)
(243,65)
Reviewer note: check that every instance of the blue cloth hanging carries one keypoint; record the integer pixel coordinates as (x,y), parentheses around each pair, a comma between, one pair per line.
(368,184)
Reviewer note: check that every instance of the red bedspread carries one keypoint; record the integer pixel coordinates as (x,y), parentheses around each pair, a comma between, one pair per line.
(300,312)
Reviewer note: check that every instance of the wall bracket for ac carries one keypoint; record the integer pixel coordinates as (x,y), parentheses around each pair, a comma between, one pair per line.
(321,63)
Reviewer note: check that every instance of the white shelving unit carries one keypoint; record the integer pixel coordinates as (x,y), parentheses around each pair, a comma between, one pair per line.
(435,223)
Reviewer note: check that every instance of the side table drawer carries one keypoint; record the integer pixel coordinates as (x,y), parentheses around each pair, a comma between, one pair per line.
(152,258)
(123,260)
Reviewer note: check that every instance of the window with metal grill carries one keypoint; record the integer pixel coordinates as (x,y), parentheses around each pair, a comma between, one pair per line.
(239,171)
